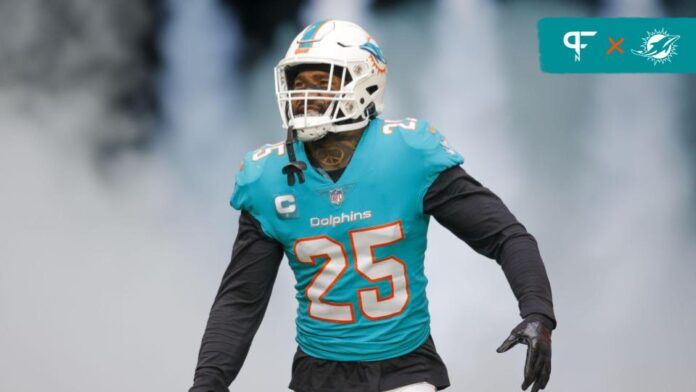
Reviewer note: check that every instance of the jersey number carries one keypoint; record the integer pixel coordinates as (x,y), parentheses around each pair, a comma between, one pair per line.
(267,150)
(408,124)
(363,243)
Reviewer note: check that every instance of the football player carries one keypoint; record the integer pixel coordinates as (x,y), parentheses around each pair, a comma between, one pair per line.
(348,198)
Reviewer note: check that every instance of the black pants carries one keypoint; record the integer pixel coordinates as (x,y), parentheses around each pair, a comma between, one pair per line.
(311,374)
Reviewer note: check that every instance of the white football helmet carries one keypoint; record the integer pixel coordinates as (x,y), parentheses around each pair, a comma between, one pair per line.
(343,49)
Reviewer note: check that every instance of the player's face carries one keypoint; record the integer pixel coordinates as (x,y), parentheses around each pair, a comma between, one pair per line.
(314,80)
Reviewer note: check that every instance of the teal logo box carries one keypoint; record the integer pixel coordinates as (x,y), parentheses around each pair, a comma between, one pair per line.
(617,45)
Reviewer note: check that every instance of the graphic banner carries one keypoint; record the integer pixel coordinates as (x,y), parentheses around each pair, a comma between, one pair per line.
(617,45)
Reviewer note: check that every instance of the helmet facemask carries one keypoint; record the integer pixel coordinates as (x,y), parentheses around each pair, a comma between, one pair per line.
(343,112)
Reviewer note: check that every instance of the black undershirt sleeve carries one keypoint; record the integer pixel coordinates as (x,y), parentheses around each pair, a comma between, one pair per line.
(478,217)
(238,308)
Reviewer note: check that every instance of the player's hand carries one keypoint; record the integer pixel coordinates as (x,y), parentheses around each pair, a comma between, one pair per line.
(532,332)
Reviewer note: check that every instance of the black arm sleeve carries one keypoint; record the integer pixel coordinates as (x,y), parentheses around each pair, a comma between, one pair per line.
(239,307)
(477,216)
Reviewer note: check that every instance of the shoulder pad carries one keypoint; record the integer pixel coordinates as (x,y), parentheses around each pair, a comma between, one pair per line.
(416,133)
(251,170)
(432,148)
(256,160)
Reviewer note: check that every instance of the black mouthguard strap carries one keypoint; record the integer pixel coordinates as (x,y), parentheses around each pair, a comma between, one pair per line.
(295,167)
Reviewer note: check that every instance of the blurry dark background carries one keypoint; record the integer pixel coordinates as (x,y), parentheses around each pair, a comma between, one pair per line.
(122,124)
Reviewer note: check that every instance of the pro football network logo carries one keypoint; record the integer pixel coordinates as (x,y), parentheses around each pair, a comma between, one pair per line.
(576,44)
(658,46)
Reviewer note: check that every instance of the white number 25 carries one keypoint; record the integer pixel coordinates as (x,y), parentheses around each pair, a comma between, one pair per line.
(363,242)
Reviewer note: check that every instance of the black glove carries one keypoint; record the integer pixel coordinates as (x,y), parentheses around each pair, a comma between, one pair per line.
(535,332)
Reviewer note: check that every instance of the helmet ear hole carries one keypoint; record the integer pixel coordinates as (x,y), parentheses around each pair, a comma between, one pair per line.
(371,110)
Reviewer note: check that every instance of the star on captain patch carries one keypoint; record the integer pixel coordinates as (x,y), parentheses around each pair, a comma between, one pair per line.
(336,196)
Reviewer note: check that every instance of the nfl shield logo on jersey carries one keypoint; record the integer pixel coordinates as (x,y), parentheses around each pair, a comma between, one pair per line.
(336,196)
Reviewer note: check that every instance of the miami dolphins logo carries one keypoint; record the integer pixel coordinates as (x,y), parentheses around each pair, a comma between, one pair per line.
(374,50)
(377,58)
(659,47)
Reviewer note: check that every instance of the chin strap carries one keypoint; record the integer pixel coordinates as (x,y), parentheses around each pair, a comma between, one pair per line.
(295,167)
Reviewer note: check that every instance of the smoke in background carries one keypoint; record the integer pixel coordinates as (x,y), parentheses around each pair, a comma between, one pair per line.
(122,125)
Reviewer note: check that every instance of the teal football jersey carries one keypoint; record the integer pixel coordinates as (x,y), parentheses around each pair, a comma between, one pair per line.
(356,246)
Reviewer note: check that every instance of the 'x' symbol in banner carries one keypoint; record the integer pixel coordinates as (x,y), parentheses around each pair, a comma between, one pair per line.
(615,45)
